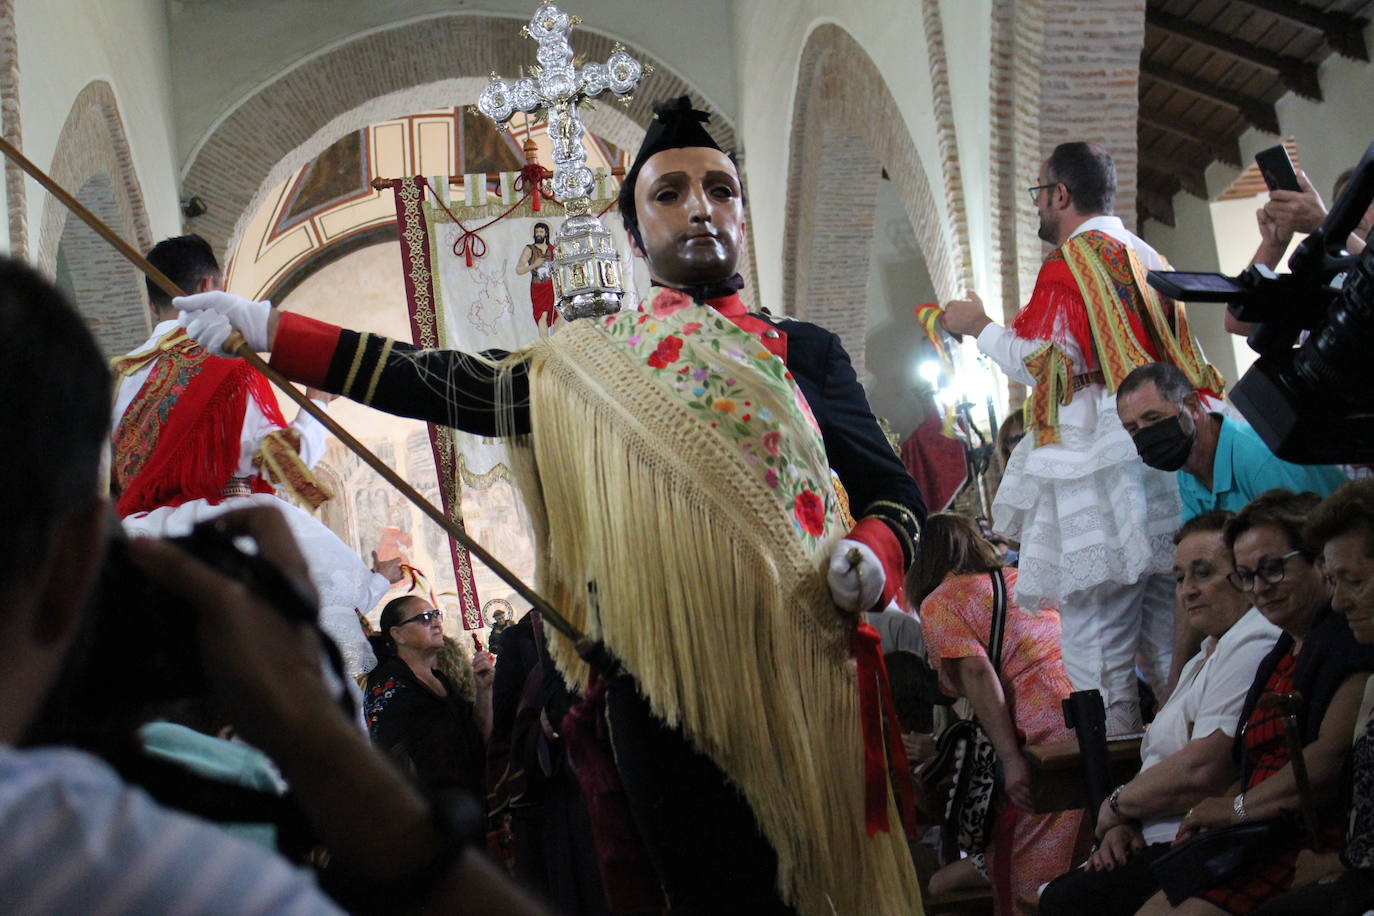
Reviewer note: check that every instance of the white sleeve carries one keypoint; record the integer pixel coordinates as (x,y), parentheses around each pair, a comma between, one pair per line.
(377,586)
(77,840)
(1222,692)
(1008,351)
(312,433)
(256,426)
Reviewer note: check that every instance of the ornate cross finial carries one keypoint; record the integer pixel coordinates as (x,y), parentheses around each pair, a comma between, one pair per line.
(587,282)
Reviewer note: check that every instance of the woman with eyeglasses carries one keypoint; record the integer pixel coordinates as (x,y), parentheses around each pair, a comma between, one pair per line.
(1318,661)
(414,712)
(1343,884)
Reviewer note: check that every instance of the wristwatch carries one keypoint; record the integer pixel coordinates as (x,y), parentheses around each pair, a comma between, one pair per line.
(1114,798)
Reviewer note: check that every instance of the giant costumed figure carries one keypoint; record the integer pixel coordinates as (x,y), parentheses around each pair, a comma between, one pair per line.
(679,474)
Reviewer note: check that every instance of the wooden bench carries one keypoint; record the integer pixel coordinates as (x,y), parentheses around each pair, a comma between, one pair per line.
(1057,780)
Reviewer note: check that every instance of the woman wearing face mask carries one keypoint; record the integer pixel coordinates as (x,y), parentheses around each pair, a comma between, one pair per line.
(1316,658)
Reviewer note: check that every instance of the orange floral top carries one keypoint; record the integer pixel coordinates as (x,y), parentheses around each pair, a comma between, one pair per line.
(956,620)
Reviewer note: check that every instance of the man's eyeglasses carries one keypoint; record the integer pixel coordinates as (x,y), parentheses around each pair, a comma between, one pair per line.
(1270,571)
(424,618)
(1035,191)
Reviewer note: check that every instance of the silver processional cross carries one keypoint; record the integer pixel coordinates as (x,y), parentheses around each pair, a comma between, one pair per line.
(586,268)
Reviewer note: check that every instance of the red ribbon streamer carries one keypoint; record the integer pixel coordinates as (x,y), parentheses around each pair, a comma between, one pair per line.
(875,706)
(530,177)
(469,244)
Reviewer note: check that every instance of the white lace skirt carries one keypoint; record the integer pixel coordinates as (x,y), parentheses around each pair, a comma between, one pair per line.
(340,577)
(1086,510)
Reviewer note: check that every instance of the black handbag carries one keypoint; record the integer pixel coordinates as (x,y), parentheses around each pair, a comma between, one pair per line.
(1213,856)
(965,750)
(1210,858)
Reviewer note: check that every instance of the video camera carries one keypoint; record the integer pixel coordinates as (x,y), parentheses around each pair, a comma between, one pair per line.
(1311,399)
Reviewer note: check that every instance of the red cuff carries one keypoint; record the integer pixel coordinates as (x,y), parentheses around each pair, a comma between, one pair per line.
(874,534)
(303,349)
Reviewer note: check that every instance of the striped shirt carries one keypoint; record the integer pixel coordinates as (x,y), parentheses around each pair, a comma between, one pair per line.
(76,839)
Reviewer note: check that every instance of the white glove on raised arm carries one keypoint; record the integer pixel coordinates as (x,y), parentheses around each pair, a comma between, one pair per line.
(209,329)
(247,317)
(855,587)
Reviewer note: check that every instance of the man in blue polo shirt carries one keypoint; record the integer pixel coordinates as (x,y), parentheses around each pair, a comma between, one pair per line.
(1221,463)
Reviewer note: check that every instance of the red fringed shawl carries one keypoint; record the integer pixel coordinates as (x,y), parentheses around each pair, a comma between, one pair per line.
(179,439)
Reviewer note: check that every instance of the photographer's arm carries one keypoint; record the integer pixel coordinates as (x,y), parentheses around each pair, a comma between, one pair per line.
(375,826)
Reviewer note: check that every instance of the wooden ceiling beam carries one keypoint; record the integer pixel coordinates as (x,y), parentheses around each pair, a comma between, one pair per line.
(1296,73)
(1343,32)
(1191,177)
(1260,114)
(1226,149)
(1157,204)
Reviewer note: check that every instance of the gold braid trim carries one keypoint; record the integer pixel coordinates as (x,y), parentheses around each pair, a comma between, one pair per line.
(1118,351)
(1169,319)
(906,513)
(278,460)
(707,595)
(1053,387)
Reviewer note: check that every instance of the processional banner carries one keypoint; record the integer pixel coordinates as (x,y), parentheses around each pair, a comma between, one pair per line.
(477,264)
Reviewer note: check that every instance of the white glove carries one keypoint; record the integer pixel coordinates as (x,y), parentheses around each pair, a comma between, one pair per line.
(855,586)
(210,330)
(249,318)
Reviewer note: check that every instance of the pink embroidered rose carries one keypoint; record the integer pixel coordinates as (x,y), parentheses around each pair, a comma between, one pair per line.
(810,513)
(771,440)
(771,478)
(691,327)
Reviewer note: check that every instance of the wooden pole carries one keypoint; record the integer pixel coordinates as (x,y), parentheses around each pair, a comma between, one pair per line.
(239,346)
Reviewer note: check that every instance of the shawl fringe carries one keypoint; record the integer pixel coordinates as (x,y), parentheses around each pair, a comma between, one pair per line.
(659,540)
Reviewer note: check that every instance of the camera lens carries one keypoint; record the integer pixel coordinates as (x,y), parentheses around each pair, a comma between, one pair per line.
(1335,361)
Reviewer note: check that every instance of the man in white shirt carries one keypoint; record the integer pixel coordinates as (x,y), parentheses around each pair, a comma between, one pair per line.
(1094,523)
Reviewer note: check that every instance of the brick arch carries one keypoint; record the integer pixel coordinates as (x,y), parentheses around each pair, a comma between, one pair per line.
(846,130)
(287,116)
(16,196)
(93,144)
(108,291)
(606,121)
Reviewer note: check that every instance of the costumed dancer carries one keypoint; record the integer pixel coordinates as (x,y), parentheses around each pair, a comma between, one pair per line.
(683,489)
(1094,522)
(196,435)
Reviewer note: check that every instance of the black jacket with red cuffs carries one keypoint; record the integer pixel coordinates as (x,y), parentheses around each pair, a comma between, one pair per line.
(454,389)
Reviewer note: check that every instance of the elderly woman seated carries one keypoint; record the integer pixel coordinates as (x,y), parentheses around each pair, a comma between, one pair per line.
(1343,884)
(1186,755)
(1320,665)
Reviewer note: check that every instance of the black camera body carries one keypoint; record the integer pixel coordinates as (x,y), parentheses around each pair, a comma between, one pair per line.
(138,647)
(1310,399)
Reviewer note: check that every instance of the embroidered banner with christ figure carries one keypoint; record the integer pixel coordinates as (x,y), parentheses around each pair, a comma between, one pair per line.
(477,262)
